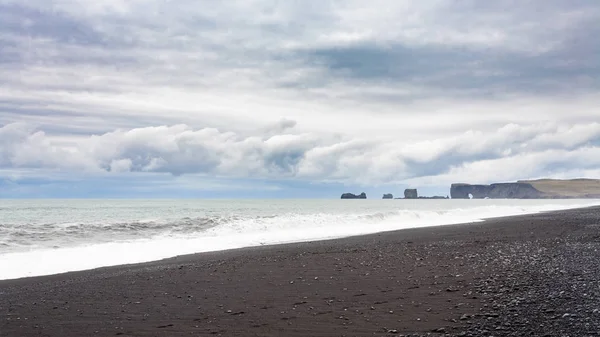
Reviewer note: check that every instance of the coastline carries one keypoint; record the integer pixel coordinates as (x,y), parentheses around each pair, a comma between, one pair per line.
(448,279)
(86,255)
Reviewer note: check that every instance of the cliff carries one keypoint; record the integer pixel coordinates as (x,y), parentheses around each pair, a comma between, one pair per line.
(530,189)
(495,191)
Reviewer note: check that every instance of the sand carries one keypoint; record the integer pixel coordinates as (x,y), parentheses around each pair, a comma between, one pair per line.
(534,275)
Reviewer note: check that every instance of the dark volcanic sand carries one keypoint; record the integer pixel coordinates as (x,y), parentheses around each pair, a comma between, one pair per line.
(532,275)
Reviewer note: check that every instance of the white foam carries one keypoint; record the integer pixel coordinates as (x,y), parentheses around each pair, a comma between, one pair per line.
(251,232)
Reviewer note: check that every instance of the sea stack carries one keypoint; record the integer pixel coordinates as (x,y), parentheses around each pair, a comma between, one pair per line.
(411,193)
(388,196)
(363,195)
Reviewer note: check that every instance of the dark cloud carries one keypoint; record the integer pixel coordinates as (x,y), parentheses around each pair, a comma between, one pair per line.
(28,22)
(461,71)
(32,36)
(550,47)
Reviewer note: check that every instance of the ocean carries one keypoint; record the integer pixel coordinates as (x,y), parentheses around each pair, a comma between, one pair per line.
(43,237)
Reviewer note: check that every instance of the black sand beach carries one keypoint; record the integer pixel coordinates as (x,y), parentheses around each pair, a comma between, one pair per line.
(535,275)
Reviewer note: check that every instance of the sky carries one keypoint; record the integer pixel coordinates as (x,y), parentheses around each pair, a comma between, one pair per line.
(294,99)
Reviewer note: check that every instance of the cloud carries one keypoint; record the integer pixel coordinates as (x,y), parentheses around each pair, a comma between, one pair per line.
(533,165)
(393,91)
(510,152)
(22,146)
(279,127)
(437,48)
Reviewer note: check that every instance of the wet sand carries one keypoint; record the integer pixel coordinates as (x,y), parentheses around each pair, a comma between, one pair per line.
(534,275)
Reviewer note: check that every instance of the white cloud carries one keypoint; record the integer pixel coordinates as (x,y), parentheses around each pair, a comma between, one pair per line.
(179,149)
(556,163)
(121,165)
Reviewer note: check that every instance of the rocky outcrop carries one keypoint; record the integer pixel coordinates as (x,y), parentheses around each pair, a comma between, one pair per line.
(411,193)
(363,195)
(496,191)
(388,196)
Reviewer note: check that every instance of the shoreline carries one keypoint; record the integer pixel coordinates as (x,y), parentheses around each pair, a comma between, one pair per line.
(308,240)
(442,280)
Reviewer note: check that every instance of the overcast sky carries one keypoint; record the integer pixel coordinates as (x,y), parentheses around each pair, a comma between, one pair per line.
(265,98)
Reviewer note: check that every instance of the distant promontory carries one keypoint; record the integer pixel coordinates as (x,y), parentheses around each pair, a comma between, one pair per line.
(530,189)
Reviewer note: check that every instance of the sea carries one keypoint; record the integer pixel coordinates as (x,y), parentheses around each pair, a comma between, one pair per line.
(43,237)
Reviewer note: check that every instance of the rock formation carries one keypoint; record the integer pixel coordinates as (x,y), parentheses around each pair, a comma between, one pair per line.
(522,189)
(363,195)
(411,193)
(496,191)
